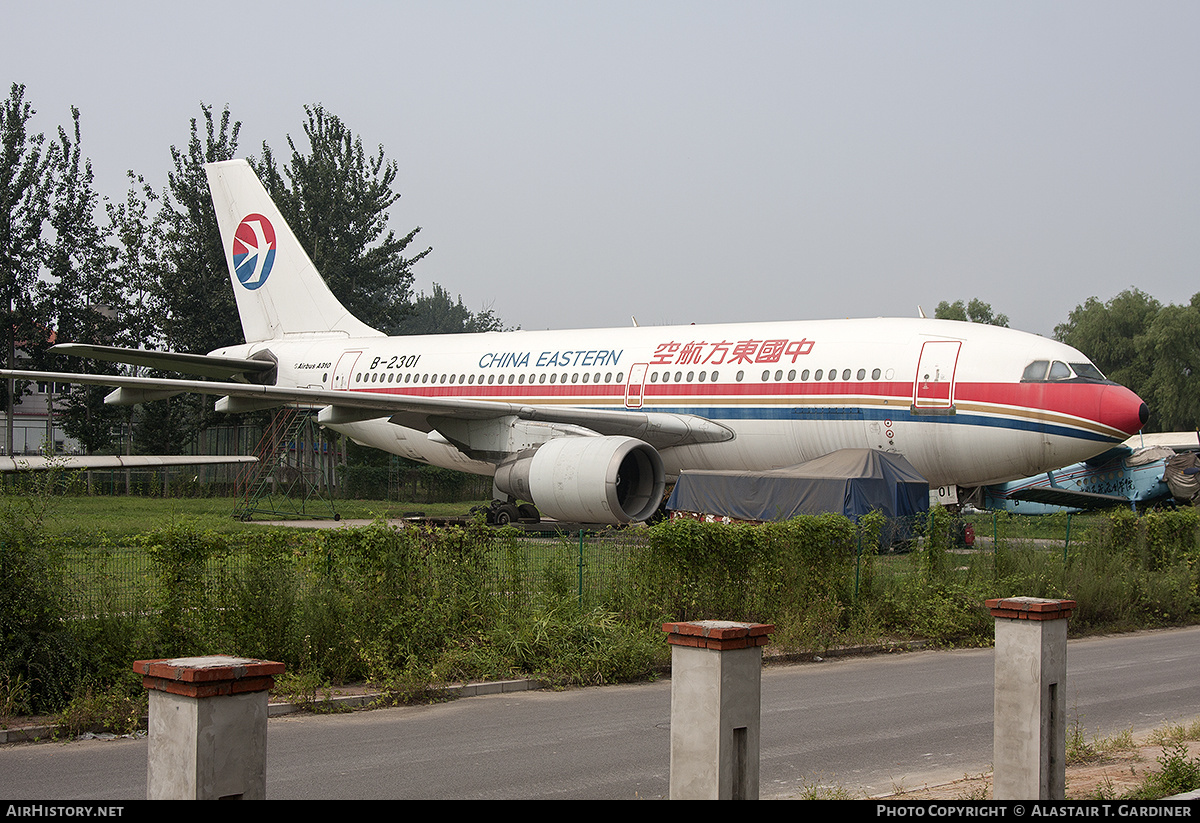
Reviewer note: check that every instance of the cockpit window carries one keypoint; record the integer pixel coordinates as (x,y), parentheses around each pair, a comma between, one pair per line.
(1035,372)
(1087,371)
(1046,371)
(1059,371)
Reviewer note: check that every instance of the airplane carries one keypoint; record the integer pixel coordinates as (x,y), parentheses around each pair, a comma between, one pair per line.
(1144,471)
(589,425)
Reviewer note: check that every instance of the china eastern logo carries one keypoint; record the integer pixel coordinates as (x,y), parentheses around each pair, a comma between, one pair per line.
(253,250)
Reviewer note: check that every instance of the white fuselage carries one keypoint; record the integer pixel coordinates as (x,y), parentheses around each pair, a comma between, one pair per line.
(948,396)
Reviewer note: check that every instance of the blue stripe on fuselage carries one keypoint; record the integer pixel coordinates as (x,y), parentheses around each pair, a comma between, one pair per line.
(847,413)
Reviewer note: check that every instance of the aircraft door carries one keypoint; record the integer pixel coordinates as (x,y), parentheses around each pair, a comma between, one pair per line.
(344,368)
(933,387)
(634,388)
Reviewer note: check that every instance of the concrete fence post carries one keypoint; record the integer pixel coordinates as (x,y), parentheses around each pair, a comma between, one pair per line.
(1029,737)
(208,727)
(716,700)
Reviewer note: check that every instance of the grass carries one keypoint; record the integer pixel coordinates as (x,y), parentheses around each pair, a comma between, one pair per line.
(1082,751)
(1172,734)
(118,516)
(1008,526)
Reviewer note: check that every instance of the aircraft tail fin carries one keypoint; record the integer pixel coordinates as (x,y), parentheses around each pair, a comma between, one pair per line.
(279,291)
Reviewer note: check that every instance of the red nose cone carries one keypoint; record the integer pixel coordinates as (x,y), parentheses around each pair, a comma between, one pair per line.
(1123,410)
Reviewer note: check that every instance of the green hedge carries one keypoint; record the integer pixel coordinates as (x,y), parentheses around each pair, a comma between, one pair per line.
(419,605)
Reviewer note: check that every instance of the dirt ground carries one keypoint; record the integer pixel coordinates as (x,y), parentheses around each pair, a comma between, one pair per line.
(1111,777)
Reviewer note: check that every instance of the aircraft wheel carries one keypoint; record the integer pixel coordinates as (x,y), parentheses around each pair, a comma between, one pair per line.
(529,512)
(506,514)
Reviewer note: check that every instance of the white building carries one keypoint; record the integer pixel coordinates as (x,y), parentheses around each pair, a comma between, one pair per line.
(35,423)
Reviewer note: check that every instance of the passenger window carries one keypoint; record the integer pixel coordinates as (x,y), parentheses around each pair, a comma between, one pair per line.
(792,376)
(804,375)
(862,374)
(740,375)
(766,375)
(874,374)
(817,376)
(845,374)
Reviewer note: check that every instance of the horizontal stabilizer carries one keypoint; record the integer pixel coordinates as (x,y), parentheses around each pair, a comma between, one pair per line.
(203,365)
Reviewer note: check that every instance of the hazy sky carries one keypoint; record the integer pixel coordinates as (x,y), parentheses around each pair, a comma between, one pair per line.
(576,163)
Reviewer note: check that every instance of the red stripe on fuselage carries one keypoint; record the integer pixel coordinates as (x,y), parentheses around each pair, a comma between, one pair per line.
(1082,400)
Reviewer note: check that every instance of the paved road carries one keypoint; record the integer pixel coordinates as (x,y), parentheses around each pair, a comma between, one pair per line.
(865,724)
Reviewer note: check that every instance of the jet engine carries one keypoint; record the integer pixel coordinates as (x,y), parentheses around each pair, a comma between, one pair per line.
(587,479)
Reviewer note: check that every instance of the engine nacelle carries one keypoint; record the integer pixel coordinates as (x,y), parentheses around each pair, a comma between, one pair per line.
(609,480)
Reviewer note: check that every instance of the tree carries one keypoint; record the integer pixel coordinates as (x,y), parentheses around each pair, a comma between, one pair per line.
(135,318)
(1111,333)
(82,295)
(193,292)
(974,312)
(1172,347)
(436,313)
(1152,349)
(336,199)
(138,264)
(25,183)
(192,301)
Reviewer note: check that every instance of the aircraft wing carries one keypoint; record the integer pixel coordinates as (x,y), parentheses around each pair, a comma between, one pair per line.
(659,429)
(1176,441)
(73,462)
(1069,498)
(205,365)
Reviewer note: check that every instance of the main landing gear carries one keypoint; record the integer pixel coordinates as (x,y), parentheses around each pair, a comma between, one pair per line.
(507,512)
